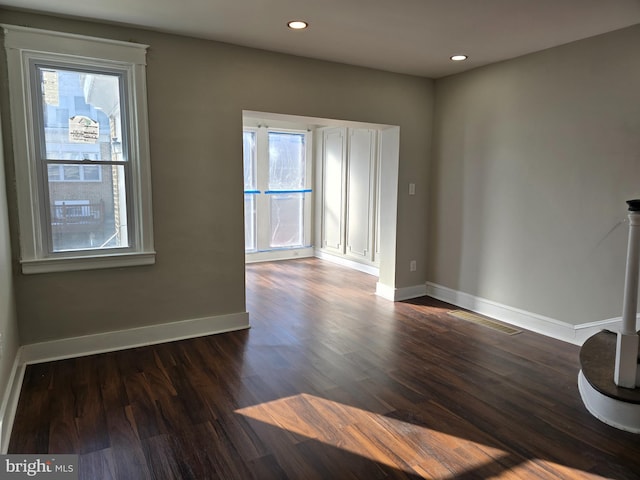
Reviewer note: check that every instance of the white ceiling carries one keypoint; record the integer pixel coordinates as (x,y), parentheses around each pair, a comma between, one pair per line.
(408,36)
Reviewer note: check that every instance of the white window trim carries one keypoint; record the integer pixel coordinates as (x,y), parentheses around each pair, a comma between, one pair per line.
(23,44)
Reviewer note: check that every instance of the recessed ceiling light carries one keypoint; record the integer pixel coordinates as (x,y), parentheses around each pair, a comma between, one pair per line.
(297,24)
(458,58)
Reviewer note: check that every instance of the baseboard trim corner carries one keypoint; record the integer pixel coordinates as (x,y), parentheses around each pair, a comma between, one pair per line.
(345,262)
(10,401)
(101,343)
(399,294)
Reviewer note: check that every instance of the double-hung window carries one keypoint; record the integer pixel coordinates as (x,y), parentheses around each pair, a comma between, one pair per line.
(78,110)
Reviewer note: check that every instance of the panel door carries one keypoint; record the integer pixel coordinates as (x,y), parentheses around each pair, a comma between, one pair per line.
(360,193)
(333,204)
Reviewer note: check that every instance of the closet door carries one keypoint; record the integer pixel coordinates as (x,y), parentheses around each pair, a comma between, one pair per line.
(333,201)
(360,194)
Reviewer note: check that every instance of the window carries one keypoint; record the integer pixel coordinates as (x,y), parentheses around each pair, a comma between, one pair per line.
(250,189)
(78,106)
(74,173)
(277,174)
(287,178)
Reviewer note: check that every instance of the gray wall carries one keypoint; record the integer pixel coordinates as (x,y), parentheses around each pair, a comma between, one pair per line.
(533,160)
(8,316)
(196,92)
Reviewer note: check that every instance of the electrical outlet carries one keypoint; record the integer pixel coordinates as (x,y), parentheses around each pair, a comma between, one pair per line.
(413,266)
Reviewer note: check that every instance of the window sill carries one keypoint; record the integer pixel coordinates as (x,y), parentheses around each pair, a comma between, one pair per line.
(68,264)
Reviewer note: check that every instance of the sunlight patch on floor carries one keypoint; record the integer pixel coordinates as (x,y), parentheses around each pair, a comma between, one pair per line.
(414,449)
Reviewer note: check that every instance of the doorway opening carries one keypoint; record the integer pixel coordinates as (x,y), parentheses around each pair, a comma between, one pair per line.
(317,187)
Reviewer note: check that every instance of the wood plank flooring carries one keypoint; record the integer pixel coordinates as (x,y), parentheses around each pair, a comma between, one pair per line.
(331,382)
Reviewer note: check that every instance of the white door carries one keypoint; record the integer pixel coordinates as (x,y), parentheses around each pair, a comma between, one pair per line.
(360,193)
(277,181)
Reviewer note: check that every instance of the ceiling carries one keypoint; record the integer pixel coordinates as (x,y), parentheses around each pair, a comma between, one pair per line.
(407,36)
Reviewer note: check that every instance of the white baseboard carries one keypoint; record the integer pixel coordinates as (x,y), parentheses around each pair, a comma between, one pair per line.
(402,293)
(385,291)
(10,402)
(345,262)
(130,338)
(576,334)
(279,254)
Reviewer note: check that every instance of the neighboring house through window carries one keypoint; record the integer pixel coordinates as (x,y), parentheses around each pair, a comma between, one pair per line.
(80,138)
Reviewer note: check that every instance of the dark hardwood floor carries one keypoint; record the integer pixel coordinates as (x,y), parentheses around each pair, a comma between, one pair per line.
(331,382)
